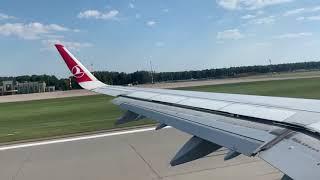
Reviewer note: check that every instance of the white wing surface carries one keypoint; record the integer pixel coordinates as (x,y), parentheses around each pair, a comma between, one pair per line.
(284,132)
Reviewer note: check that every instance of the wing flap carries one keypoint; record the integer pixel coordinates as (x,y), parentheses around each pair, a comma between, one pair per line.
(224,131)
(274,114)
(204,103)
(252,112)
(297,156)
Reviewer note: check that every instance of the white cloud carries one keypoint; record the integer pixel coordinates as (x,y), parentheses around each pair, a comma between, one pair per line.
(310,18)
(131,5)
(151,23)
(263,44)
(294,12)
(260,12)
(95,14)
(252,15)
(56,27)
(159,44)
(264,20)
(315,9)
(138,16)
(49,44)
(302,10)
(165,10)
(233,34)
(76,30)
(228,4)
(30,31)
(313,18)
(89,14)
(47,33)
(248,16)
(300,18)
(249,4)
(293,35)
(53,36)
(5,16)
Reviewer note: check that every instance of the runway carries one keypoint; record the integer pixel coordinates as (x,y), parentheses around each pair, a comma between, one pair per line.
(141,154)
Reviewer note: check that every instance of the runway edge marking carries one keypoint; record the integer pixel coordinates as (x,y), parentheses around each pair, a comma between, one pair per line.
(47,142)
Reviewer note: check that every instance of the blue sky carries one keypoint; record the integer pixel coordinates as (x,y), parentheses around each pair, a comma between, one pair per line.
(123,35)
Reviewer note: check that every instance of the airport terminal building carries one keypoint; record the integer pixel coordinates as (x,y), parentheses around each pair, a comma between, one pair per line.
(14,87)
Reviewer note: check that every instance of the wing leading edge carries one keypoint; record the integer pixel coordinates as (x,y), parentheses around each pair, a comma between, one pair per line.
(278,130)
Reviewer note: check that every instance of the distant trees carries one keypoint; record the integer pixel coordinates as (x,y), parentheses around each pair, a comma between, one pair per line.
(142,77)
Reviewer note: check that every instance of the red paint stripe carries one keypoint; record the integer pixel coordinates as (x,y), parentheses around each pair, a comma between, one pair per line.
(75,69)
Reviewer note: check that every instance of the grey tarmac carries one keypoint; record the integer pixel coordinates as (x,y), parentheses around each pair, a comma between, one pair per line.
(135,156)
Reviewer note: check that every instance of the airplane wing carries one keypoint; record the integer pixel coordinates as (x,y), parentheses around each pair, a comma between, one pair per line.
(285,132)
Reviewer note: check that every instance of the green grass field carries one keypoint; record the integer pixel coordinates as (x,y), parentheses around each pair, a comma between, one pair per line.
(56,117)
(299,88)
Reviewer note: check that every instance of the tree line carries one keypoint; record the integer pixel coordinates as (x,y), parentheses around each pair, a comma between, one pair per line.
(142,77)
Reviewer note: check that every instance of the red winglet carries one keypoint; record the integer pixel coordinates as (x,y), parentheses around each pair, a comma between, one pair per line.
(80,73)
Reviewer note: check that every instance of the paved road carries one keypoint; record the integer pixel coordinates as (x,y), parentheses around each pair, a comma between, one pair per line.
(47,95)
(226,81)
(135,156)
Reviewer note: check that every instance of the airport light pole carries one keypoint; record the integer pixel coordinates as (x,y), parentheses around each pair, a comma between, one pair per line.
(151,72)
(70,83)
(92,68)
(270,67)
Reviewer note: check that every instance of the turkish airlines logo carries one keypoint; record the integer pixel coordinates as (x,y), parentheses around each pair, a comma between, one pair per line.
(77,72)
